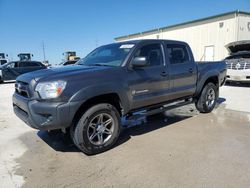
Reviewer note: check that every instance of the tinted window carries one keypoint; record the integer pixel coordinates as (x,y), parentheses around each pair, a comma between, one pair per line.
(152,52)
(177,53)
(28,64)
(12,65)
(33,64)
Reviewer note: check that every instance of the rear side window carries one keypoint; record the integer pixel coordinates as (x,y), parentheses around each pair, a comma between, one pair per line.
(34,64)
(12,65)
(177,53)
(152,52)
(29,64)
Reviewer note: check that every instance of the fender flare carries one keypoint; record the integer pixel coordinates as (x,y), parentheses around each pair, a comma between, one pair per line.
(204,78)
(94,91)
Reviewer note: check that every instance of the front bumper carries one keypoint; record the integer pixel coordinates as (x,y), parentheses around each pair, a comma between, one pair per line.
(43,115)
(238,75)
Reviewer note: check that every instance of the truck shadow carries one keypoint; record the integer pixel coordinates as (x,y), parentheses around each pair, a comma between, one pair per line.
(58,141)
(237,84)
(62,142)
(220,100)
(152,123)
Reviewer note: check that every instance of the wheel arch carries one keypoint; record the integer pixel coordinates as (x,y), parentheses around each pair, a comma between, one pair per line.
(110,98)
(211,78)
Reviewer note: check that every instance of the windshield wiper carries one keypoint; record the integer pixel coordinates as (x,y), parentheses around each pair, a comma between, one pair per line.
(98,64)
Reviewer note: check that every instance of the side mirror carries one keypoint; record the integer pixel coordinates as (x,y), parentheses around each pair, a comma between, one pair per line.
(139,62)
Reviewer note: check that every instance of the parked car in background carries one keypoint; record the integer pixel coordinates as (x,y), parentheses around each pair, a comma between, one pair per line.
(238,63)
(11,70)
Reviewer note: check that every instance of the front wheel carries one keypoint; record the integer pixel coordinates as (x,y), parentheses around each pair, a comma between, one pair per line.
(98,129)
(207,99)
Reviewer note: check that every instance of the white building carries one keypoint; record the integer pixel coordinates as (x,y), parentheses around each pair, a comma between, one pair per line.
(207,37)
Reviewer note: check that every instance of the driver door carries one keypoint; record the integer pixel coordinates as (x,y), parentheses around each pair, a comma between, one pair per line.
(150,84)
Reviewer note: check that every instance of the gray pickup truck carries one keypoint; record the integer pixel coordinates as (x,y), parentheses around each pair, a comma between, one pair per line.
(116,81)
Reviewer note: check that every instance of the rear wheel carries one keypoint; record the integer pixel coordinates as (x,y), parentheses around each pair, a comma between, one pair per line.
(207,99)
(98,129)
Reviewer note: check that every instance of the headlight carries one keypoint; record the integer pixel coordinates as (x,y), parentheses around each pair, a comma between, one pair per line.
(50,90)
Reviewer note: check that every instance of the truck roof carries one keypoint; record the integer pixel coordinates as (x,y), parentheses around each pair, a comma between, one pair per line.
(151,40)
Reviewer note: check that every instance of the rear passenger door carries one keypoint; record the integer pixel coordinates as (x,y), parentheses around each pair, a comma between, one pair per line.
(183,71)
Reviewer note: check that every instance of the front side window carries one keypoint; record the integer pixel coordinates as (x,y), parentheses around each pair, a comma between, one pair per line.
(109,55)
(177,53)
(12,65)
(153,54)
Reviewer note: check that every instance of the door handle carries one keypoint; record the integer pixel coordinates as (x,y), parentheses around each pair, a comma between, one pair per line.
(191,70)
(164,73)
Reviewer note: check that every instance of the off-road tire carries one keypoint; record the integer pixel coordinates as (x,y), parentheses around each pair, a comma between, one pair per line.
(201,103)
(80,135)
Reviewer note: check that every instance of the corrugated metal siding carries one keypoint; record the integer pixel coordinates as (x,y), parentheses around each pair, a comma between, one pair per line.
(244,27)
(205,33)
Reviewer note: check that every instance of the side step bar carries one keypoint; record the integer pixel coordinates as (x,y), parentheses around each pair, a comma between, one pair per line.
(137,116)
(167,107)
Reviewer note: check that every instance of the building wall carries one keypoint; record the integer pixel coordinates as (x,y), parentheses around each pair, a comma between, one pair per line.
(212,35)
(244,27)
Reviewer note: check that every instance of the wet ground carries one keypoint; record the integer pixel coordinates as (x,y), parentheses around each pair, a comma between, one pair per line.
(180,148)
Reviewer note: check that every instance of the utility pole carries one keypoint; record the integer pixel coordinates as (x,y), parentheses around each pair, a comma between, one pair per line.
(96,43)
(44,57)
(11,57)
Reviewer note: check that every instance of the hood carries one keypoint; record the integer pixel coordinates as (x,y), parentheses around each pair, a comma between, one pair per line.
(238,46)
(59,72)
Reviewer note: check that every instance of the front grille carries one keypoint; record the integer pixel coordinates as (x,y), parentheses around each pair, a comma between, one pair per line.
(238,64)
(22,89)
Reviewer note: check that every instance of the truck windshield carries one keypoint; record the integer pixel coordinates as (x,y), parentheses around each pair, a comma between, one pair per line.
(109,55)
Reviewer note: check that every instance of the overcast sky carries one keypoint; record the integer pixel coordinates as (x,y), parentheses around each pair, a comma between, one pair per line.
(82,25)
